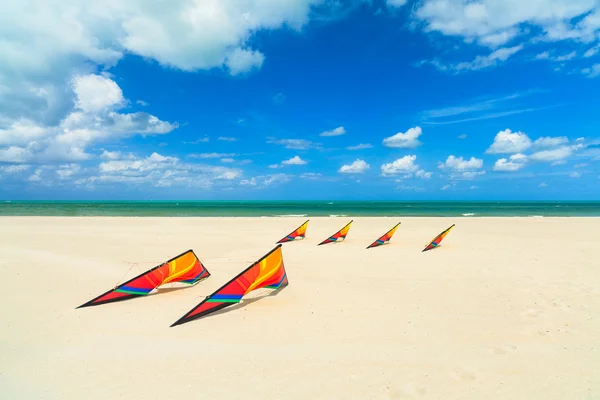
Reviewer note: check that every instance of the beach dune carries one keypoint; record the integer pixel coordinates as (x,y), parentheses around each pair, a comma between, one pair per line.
(506,308)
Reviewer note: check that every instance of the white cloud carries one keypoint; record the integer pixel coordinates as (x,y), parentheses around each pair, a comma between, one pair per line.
(407,140)
(445,187)
(543,55)
(463,136)
(116,155)
(513,164)
(296,160)
(592,51)
(592,71)
(459,168)
(311,175)
(293,144)
(13,169)
(243,60)
(95,93)
(543,185)
(142,103)
(507,142)
(180,34)
(460,164)
(468,174)
(199,140)
(357,167)
(22,132)
(155,170)
(212,155)
(575,175)
(479,62)
(227,160)
(422,174)
(94,120)
(334,132)
(360,146)
(227,139)
(558,154)
(263,181)
(68,171)
(15,154)
(549,142)
(504,21)
(404,165)
(566,57)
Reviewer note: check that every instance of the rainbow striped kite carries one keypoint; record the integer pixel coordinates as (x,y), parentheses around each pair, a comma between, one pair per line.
(437,240)
(341,234)
(184,268)
(385,238)
(268,272)
(299,233)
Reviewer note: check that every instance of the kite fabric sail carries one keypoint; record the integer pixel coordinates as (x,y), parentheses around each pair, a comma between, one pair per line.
(299,233)
(437,240)
(268,272)
(341,234)
(184,268)
(385,238)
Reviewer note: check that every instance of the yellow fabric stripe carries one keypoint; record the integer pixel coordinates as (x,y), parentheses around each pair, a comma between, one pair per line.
(173,276)
(264,275)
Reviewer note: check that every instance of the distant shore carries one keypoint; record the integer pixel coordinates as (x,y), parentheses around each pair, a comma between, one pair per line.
(301,208)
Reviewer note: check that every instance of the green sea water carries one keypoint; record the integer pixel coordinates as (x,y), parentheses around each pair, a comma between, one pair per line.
(297,208)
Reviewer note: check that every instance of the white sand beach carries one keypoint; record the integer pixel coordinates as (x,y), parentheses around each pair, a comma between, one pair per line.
(506,308)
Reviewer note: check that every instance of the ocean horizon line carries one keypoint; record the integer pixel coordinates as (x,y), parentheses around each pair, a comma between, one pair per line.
(300,208)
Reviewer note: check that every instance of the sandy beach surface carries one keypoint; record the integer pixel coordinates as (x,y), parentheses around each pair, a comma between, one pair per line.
(506,308)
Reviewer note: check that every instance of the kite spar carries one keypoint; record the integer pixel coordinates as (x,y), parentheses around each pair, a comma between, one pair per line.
(299,233)
(385,238)
(184,268)
(438,239)
(268,272)
(341,234)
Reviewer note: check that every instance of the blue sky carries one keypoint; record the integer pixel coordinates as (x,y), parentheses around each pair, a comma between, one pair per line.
(303,99)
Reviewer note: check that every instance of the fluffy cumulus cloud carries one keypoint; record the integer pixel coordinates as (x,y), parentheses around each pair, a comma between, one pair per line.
(188,35)
(511,164)
(357,167)
(406,140)
(159,171)
(94,118)
(506,26)
(494,23)
(553,149)
(296,160)
(406,168)
(460,168)
(507,142)
(340,130)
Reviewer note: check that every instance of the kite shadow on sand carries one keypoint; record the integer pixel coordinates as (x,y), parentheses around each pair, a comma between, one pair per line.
(244,303)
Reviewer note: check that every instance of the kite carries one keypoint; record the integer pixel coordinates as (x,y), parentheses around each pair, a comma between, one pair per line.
(185,268)
(268,272)
(299,233)
(341,234)
(437,240)
(385,238)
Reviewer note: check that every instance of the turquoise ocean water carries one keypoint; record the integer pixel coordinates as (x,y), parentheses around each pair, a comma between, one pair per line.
(296,208)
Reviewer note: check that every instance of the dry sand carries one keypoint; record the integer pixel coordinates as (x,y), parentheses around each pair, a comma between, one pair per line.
(507,308)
